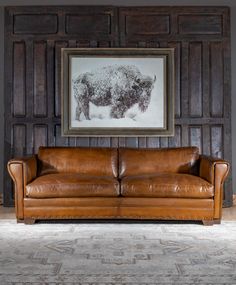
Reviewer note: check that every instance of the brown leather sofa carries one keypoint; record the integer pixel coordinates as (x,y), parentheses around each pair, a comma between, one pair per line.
(125,183)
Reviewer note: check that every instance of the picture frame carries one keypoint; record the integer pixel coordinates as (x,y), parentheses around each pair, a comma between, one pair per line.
(117,91)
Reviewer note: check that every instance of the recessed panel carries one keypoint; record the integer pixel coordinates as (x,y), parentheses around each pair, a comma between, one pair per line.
(217,79)
(40,80)
(147,24)
(40,136)
(19,79)
(200,24)
(195,79)
(177,47)
(104,142)
(153,142)
(59,140)
(57,96)
(176,140)
(87,24)
(195,137)
(82,141)
(217,141)
(132,142)
(35,24)
(19,139)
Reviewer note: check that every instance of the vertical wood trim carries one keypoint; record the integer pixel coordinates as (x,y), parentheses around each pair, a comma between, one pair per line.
(185,136)
(216,141)
(206,141)
(83,141)
(40,136)
(19,101)
(176,140)
(177,47)
(131,142)
(217,80)
(206,79)
(115,142)
(184,80)
(29,139)
(57,94)
(195,79)
(40,80)
(93,142)
(19,140)
(59,140)
(29,78)
(195,136)
(121,142)
(104,142)
(153,142)
(50,70)
(164,142)
(142,142)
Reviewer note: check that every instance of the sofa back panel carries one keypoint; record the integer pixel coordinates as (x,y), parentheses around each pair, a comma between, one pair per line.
(151,161)
(91,161)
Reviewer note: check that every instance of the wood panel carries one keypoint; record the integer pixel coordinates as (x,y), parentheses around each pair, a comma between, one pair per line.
(151,24)
(19,140)
(195,79)
(59,140)
(40,136)
(40,80)
(94,23)
(200,24)
(195,136)
(19,101)
(57,95)
(217,79)
(217,141)
(34,37)
(35,23)
(177,47)
(201,37)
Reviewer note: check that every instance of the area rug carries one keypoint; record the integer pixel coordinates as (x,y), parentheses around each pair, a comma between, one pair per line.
(117,253)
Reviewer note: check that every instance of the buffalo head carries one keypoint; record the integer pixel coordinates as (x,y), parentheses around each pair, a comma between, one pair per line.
(143,87)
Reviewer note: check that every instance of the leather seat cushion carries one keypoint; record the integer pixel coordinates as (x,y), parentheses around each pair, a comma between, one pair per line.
(65,185)
(166,185)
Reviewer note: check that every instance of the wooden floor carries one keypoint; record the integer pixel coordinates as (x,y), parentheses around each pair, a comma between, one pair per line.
(229,214)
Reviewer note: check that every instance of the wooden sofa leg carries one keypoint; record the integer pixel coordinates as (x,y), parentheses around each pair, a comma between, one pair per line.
(208,222)
(29,221)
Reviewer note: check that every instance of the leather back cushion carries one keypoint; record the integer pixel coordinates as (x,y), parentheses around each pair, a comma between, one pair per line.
(90,161)
(151,161)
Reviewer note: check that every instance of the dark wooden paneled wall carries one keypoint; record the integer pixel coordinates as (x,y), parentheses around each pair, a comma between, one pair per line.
(35,35)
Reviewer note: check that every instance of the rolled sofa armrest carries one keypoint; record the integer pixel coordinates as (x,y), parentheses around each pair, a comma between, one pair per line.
(210,166)
(215,171)
(22,171)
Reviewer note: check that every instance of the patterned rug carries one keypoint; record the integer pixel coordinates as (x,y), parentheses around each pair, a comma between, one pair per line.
(117,253)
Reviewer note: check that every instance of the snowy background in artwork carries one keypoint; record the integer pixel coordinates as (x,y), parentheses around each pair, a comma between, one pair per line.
(154,115)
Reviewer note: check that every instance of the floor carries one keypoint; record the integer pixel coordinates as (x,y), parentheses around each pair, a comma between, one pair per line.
(110,254)
(229,214)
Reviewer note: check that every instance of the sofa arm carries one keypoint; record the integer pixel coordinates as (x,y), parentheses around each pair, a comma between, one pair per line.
(22,171)
(215,171)
(209,166)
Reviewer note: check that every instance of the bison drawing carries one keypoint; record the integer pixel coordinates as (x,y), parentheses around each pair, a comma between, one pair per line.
(117,86)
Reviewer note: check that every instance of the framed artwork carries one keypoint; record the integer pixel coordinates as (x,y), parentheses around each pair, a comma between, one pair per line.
(117,91)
